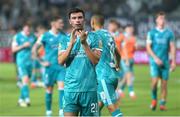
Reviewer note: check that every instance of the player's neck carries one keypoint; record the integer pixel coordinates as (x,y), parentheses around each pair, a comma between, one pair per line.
(160,27)
(24,34)
(98,28)
(54,31)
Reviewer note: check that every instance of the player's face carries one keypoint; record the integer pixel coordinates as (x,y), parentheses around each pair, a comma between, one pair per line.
(59,24)
(161,20)
(129,30)
(112,27)
(77,20)
(26,30)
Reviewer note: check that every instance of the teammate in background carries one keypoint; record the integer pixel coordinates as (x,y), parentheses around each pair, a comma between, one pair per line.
(113,27)
(160,41)
(80,54)
(19,84)
(22,44)
(126,44)
(37,74)
(53,71)
(106,68)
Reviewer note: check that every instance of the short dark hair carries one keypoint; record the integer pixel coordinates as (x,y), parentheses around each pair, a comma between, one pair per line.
(28,24)
(114,21)
(55,18)
(129,25)
(75,10)
(160,13)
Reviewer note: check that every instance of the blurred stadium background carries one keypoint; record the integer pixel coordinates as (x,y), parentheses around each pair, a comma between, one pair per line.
(140,13)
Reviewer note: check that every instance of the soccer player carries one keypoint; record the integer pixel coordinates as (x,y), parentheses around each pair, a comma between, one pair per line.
(19,84)
(113,27)
(22,44)
(160,41)
(106,68)
(81,54)
(53,71)
(37,77)
(126,44)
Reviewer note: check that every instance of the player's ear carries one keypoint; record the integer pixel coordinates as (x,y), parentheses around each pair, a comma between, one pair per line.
(52,23)
(70,21)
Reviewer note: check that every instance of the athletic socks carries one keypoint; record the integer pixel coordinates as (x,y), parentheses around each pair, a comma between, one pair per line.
(61,97)
(25,91)
(162,102)
(48,100)
(154,94)
(130,88)
(117,113)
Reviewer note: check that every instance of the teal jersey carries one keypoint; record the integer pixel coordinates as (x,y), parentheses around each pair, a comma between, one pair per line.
(50,42)
(24,55)
(80,72)
(106,66)
(160,43)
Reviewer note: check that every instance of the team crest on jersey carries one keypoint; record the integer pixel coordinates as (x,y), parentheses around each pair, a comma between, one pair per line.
(100,44)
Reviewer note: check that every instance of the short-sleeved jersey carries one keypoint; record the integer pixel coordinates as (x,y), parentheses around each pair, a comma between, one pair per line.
(160,43)
(106,67)
(50,43)
(80,72)
(24,55)
(127,44)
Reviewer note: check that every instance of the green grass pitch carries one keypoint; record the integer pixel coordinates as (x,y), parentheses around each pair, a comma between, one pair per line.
(140,107)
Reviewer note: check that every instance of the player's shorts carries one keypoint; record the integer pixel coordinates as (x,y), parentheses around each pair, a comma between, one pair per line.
(51,75)
(107,92)
(24,70)
(159,71)
(36,64)
(127,68)
(84,102)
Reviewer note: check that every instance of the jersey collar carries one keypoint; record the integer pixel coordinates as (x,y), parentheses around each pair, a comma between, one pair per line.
(51,32)
(160,30)
(23,34)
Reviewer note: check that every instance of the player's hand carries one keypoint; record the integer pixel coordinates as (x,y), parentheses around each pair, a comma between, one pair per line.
(45,63)
(158,61)
(83,36)
(73,36)
(173,66)
(26,44)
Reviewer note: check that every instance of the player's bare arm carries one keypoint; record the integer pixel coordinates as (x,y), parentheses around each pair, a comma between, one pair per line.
(173,55)
(16,48)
